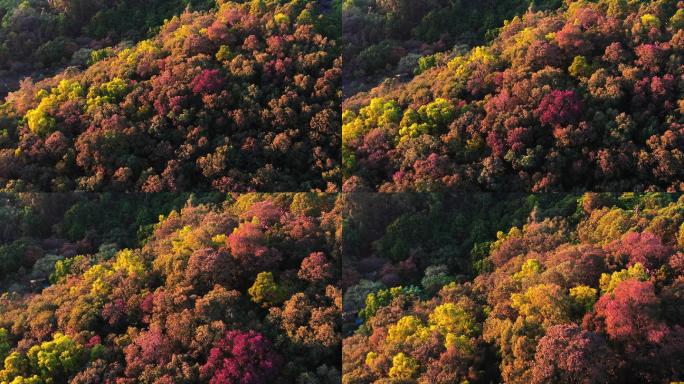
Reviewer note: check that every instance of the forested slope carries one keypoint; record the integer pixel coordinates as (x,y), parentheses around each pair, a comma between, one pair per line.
(586,289)
(244,97)
(588,97)
(225,290)
(378,34)
(37,230)
(39,38)
(45,33)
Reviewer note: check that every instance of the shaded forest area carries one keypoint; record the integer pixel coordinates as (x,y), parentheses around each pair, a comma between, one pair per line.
(378,35)
(39,38)
(43,33)
(37,230)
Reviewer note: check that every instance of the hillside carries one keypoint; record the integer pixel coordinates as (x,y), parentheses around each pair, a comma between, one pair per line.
(36,230)
(588,97)
(387,37)
(546,288)
(224,290)
(242,98)
(38,37)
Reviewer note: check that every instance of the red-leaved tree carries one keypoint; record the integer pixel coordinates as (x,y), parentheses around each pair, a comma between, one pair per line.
(242,358)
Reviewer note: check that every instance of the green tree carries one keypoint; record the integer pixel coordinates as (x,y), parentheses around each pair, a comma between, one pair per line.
(265,291)
(15,365)
(584,297)
(544,304)
(5,346)
(608,282)
(403,367)
(452,318)
(436,276)
(57,358)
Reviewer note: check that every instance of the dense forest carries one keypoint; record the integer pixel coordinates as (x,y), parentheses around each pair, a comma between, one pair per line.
(390,36)
(586,97)
(215,289)
(44,33)
(487,288)
(204,191)
(39,38)
(439,288)
(243,97)
(36,230)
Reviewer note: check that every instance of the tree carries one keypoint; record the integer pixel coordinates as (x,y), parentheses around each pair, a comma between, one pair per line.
(247,240)
(631,317)
(5,346)
(407,330)
(450,318)
(608,282)
(569,354)
(57,358)
(315,268)
(644,248)
(544,304)
(560,107)
(403,367)
(579,67)
(312,321)
(209,81)
(242,358)
(129,262)
(248,246)
(631,313)
(208,267)
(41,120)
(435,277)
(584,297)
(265,291)
(149,349)
(378,113)
(529,270)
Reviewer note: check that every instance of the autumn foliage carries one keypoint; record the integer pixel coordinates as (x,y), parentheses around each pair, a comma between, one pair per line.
(37,34)
(188,302)
(585,97)
(548,289)
(243,97)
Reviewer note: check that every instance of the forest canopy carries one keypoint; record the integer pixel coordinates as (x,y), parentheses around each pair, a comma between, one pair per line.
(544,288)
(244,97)
(218,289)
(382,34)
(45,33)
(587,97)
